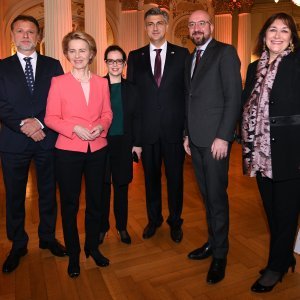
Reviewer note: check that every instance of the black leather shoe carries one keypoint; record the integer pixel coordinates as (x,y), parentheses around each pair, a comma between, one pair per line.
(125,237)
(176,234)
(216,270)
(150,230)
(201,253)
(99,259)
(13,259)
(55,247)
(73,267)
(101,237)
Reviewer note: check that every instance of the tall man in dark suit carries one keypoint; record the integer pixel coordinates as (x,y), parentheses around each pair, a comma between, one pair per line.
(24,84)
(158,71)
(213,100)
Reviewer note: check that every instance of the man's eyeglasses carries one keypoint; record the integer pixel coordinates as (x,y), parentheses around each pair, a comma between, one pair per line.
(119,62)
(157,24)
(201,24)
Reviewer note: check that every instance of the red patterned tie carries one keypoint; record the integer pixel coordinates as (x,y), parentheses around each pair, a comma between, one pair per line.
(157,67)
(198,56)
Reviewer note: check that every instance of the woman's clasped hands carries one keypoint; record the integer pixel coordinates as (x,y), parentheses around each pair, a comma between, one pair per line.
(87,134)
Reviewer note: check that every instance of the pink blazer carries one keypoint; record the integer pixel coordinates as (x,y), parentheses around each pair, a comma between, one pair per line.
(67,107)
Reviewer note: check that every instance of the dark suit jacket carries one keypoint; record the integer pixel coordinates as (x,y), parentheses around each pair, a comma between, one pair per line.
(16,102)
(284,112)
(131,129)
(213,97)
(162,107)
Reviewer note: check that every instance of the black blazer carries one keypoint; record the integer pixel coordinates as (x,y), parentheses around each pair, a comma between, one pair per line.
(162,107)
(16,102)
(132,131)
(213,97)
(284,112)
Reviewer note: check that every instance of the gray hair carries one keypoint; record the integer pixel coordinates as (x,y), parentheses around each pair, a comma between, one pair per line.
(156,11)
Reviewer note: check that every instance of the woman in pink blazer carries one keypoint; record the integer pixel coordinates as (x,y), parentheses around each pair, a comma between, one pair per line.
(78,108)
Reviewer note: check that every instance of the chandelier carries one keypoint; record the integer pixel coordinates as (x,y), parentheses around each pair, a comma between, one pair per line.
(297,2)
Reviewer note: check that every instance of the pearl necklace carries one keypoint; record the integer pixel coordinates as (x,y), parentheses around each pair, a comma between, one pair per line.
(82,80)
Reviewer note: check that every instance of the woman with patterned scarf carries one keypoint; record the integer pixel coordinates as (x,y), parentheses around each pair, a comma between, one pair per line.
(271,140)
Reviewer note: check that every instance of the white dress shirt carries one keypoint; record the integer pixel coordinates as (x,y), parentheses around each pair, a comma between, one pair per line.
(33,61)
(163,55)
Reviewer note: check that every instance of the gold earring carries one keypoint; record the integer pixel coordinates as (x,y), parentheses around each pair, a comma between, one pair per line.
(292,47)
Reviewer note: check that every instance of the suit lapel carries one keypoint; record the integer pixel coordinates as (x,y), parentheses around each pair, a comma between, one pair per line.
(206,58)
(168,63)
(40,68)
(18,73)
(145,53)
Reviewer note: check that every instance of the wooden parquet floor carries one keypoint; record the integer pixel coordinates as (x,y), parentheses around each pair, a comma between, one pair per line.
(156,268)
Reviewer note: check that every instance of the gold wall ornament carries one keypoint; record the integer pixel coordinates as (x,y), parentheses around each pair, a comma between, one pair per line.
(229,6)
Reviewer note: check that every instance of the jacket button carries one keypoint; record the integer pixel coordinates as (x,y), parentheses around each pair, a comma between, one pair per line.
(273,140)
(273,121)
(272,102)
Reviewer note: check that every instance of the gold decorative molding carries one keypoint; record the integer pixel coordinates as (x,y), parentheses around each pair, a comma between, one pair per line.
(186,7)
(129,4)
(182,32)
(229,6)
(136,4)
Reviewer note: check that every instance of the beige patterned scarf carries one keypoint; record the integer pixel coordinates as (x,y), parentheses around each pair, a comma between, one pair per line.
(256,123)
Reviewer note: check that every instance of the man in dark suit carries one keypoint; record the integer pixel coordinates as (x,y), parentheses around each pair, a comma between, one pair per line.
(213,100)
(24,84)
(158,71)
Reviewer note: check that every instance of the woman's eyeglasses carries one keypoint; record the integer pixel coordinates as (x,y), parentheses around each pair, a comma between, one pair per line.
(119,62)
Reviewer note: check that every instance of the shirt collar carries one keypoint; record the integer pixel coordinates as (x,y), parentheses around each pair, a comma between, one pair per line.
(163,47)
(203,47)
(21,56)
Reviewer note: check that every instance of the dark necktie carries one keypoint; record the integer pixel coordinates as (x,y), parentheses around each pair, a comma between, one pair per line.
(157,67)
(198,56)
(29,74)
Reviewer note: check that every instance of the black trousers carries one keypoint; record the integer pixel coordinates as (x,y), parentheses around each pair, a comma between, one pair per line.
(15,167)
(70,167)
(281,200)
(172,154)
(212,178)
(118,172)
(120,206)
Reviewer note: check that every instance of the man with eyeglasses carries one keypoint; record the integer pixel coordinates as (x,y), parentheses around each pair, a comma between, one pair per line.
(213,84)
(158,71)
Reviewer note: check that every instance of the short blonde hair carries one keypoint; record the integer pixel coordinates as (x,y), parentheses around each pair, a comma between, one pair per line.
(79,35)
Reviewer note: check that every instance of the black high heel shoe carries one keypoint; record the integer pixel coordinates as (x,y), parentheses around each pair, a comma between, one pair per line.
(73,267)
(125,237)
(99,259)
(258,287)
(292,266)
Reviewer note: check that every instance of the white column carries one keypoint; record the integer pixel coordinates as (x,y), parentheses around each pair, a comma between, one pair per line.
(129,28)
(223,28)
(95,25)
(244,42)
(140,24)
(58,22)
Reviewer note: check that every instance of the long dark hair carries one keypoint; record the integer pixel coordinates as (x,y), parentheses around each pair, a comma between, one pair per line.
(287,20)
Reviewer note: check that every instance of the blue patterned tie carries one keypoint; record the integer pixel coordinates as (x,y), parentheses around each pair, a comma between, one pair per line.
(29,74)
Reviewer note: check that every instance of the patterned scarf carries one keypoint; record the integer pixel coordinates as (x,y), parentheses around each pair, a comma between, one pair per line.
(256,123)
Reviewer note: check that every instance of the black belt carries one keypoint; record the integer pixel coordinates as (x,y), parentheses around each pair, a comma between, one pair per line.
(285,120)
